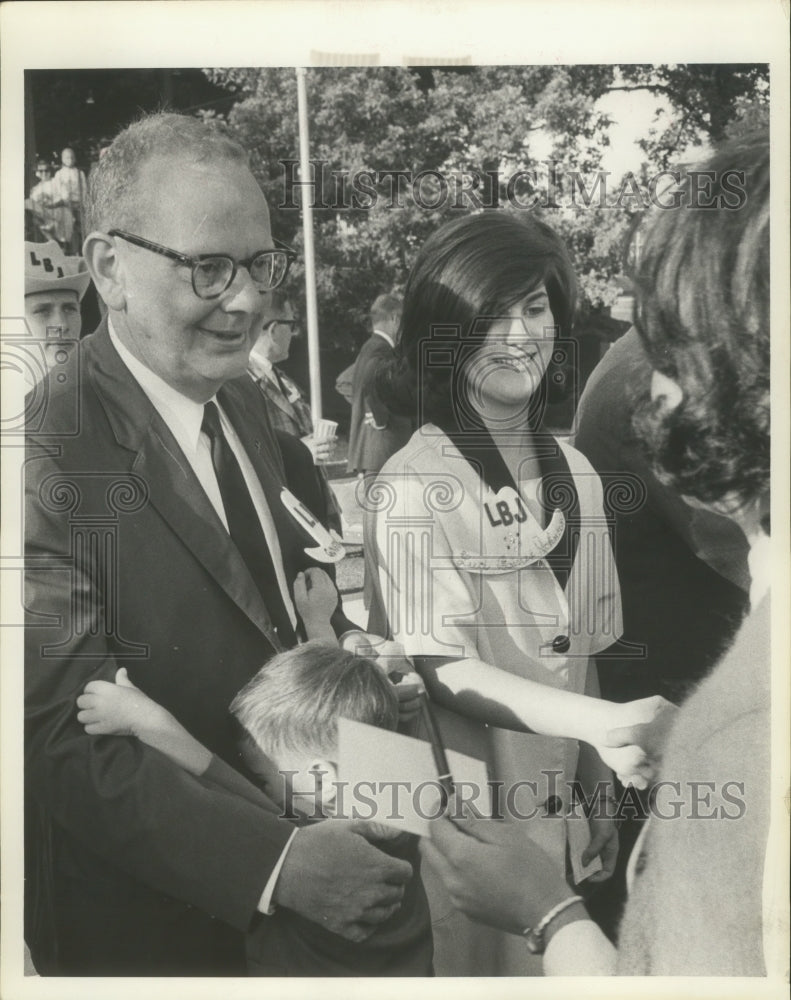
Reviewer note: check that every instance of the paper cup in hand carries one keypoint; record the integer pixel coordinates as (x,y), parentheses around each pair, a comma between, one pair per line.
(326,430)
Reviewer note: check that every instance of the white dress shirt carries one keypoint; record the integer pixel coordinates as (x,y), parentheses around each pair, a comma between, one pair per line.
(260,367)
(385,336)
(184,418)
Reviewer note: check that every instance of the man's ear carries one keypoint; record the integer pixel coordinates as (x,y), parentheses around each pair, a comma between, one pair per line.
(326,776)
(105,268)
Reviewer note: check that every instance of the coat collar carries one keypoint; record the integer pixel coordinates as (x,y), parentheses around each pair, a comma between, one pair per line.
(271,391)
(174,489)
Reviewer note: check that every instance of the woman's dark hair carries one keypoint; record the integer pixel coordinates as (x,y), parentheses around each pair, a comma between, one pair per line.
(468,274)
(703,315)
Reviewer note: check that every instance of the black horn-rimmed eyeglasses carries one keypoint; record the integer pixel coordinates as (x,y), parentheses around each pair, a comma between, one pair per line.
(213,273)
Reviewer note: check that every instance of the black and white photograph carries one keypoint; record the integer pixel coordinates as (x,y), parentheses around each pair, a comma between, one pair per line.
(395,498)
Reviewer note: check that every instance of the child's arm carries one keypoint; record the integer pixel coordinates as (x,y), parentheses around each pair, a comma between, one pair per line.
(316,598)
(121,709)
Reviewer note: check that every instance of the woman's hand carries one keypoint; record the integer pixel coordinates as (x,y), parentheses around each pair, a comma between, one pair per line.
(604,845)
(599,790)
(119,709)
(494,871)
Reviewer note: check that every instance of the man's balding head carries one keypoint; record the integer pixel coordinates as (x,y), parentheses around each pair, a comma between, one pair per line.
(114,198)
(169,193)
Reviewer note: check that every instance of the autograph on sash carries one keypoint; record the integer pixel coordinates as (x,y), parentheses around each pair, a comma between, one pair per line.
(511,538)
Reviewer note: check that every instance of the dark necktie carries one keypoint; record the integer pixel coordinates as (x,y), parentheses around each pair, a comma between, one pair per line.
(280,382)
(244,525)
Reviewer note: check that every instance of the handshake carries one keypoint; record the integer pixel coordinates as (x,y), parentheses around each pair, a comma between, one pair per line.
(633,745)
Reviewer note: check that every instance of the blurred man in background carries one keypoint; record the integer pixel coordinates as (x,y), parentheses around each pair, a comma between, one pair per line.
(375,433)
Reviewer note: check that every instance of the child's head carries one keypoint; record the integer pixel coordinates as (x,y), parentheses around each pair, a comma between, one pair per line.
(289,713)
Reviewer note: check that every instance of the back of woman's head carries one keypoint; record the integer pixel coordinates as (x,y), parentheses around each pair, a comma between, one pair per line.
(468,273)
(703,315)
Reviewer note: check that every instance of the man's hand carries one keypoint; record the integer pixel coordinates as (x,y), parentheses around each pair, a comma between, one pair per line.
(332,875)
(119,709)
(322,451)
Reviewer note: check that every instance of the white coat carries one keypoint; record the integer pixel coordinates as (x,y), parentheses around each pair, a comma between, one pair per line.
(456,583)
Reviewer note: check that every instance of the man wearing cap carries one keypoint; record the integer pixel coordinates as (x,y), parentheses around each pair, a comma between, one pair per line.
(157,540)
(54,288)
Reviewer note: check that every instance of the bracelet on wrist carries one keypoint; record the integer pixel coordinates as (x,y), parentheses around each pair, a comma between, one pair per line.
(535,936)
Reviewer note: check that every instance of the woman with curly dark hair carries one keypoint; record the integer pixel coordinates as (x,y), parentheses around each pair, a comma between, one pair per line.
(702,316)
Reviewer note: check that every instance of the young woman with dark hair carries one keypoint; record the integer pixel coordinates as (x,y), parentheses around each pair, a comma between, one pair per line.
(470,273)
(492,547)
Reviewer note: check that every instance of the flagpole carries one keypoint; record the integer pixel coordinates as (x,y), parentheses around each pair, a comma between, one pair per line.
(314,361)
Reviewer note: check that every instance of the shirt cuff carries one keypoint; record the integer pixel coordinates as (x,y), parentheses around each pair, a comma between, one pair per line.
(265,904)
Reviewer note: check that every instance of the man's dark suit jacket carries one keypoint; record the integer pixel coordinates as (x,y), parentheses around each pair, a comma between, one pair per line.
(370,448)
(292,417)
(134,867)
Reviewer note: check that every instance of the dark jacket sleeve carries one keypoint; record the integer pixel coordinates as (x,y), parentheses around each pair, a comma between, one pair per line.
(373,401)
(223,775)
(178,834)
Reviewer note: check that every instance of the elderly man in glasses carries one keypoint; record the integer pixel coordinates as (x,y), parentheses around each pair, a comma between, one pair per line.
(156,540)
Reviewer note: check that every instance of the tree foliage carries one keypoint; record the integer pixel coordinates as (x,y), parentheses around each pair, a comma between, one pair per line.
(381,120)
(475,126)
(705,100)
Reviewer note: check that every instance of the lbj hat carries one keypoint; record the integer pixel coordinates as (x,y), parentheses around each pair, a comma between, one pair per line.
(48,269)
